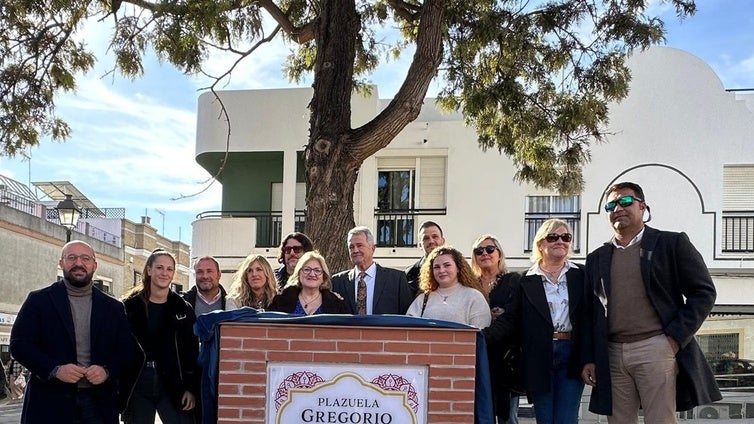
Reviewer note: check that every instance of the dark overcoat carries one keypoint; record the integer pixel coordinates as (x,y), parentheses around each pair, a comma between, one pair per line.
(528,319)
(681,291)
(43,337)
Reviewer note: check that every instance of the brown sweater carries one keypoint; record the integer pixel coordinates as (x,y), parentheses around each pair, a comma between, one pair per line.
(630,315)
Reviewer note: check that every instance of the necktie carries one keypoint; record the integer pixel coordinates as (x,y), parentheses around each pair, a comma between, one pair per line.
(361,295)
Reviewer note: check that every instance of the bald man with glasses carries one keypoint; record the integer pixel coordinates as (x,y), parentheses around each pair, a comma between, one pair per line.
(650,292)
(74,339)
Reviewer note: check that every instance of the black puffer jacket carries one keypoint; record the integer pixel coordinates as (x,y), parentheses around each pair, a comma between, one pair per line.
(177,365)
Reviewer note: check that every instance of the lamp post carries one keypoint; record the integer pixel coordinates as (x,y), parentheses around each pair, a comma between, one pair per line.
(68,214)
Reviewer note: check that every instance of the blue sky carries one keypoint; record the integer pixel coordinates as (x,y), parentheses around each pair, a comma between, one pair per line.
(133,141)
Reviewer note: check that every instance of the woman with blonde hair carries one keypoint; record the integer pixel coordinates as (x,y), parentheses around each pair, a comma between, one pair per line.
(546,308)
(254,284)
(450,291)
(488,264)
(308,291)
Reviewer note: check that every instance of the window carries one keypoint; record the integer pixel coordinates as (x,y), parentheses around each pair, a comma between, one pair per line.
(407,187)
(719,346)
(541,208)
(738,208)
(137,278)
(395,198)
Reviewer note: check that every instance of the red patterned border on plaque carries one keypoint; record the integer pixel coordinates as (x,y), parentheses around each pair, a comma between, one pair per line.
(298,380)
(396,383)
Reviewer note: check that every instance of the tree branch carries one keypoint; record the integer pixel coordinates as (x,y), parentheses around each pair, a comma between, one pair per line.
(407,103)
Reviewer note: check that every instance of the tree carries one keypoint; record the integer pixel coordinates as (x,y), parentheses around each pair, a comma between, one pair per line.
(534,77)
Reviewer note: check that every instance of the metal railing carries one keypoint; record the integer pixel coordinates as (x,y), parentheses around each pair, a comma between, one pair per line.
(533,220)
(738,231)
(38,209)
(269,223)
(397,227)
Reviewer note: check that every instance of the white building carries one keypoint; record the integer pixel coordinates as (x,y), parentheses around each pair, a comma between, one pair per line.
(679,134)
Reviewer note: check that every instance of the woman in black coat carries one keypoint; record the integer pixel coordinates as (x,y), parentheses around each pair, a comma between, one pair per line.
(545,313)
(308,290)
(164,375)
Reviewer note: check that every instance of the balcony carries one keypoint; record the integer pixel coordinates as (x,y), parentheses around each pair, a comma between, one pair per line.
(268,225)
(90,223)
(397,227)
(738,232)
(533,220)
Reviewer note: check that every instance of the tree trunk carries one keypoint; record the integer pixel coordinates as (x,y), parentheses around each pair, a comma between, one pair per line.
(331,170)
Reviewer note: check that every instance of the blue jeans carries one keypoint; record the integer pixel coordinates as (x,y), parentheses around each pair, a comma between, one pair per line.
(149,396)
(561,404)
(513,417)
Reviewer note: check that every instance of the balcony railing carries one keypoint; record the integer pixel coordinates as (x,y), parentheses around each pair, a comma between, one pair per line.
(397,227)
(269,223)
(533,220)
(38,209)
(738,231)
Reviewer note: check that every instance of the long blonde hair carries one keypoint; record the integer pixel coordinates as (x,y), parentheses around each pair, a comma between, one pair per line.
(240,290)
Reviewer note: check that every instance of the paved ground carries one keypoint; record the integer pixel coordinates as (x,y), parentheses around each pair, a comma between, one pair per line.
(10,411)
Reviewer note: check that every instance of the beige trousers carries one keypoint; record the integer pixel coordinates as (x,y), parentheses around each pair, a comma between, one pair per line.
(643,375)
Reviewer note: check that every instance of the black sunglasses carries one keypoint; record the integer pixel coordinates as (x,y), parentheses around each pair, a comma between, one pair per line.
(623,201)
(294,249)
(481,249)
(552,237)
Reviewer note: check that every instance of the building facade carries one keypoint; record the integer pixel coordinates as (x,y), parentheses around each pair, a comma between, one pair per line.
(680,134)
(31,240)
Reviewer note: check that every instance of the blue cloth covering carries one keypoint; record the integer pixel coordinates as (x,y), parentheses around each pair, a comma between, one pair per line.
(207,329)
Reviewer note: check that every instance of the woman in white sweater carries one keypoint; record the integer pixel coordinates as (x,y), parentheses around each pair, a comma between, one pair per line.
(451,291)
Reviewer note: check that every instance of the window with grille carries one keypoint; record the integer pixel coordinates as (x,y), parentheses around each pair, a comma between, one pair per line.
(541,208)
(719,346)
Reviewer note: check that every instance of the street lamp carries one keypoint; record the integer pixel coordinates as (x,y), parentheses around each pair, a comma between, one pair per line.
(68,214)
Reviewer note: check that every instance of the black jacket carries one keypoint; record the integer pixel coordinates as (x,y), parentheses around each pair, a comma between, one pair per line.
(190,297)
(43,337)
(413,275)
(528,319)
(177,366)
(286,302)
(281,274)
(680,288)
(504,356)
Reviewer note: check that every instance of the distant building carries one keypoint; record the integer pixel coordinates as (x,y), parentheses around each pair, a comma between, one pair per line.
(31,238)
(680,134)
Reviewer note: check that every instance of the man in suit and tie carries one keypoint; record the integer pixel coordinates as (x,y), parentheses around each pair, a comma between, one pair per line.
(368,288)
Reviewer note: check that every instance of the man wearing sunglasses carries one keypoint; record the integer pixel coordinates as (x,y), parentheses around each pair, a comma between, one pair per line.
(650,291)
(430,236)
(292,248)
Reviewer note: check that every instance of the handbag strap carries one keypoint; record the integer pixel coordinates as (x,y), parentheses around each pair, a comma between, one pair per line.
(424,304)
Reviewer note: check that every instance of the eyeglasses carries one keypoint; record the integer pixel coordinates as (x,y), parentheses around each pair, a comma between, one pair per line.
(87,259)
(481,249)
(309,270)
(294,249)
(552,237)
(623,201)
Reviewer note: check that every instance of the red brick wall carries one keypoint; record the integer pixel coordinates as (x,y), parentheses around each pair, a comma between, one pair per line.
(245,350)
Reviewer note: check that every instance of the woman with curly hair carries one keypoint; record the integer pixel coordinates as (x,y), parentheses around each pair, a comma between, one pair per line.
(254,284)
(451,291)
